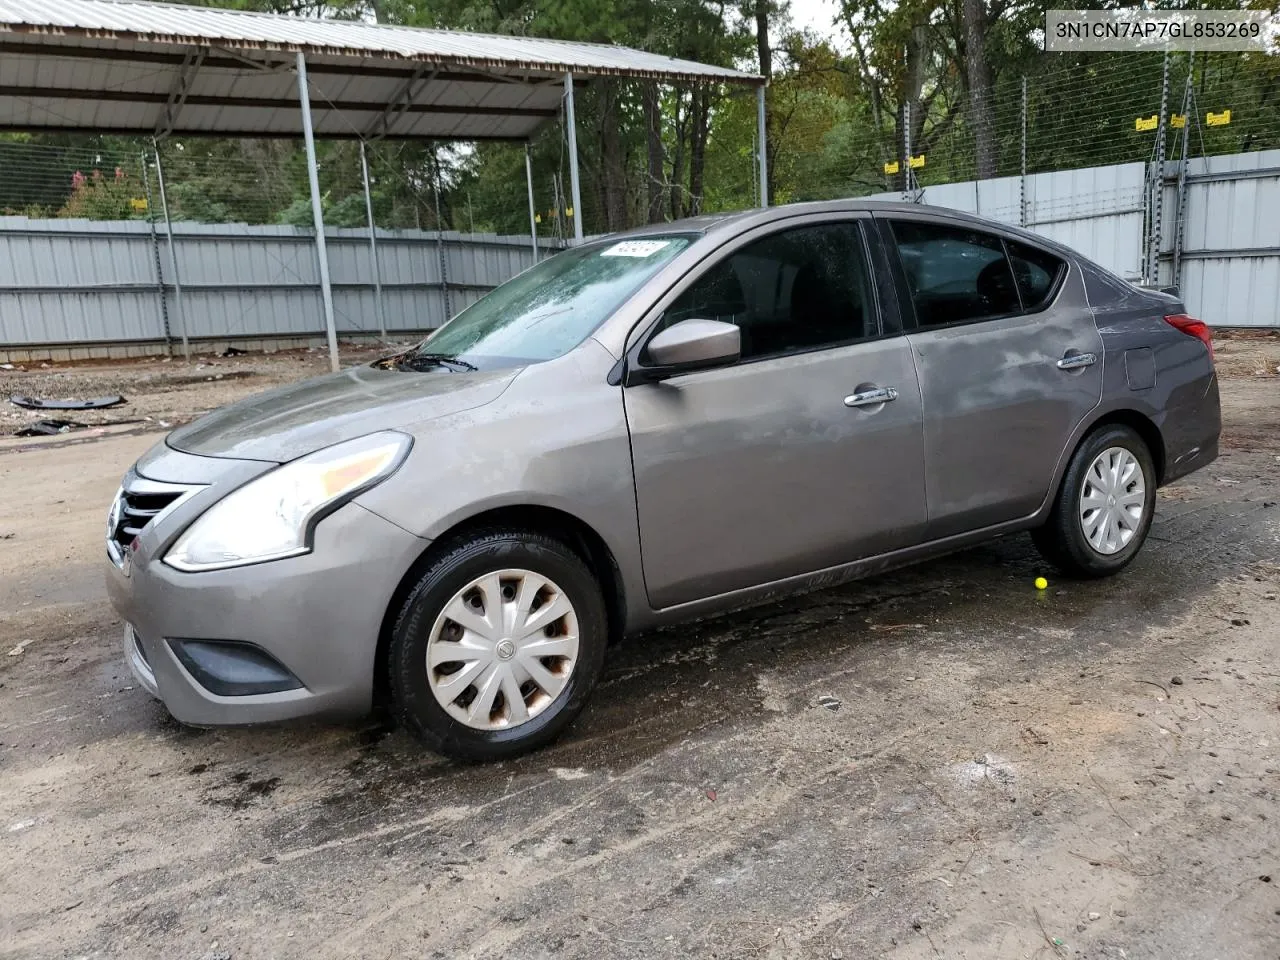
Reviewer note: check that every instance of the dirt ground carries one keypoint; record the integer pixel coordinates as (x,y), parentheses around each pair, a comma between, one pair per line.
(160,392)
(942,762)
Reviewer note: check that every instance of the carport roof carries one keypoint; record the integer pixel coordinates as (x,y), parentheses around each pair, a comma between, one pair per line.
(130,67)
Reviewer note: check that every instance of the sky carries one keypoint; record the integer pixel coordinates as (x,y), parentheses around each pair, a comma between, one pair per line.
(817,15)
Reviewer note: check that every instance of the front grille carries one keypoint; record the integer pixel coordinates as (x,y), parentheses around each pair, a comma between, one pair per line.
(139,502)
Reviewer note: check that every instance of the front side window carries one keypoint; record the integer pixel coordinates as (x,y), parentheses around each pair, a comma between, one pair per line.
(799,289)
(549,309)
(955,275)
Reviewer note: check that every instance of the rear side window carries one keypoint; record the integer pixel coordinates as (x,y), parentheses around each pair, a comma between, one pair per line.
(955,275)
(1037,273)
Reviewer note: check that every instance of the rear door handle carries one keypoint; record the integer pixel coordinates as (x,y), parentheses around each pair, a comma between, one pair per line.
(1075,361)
(867,398)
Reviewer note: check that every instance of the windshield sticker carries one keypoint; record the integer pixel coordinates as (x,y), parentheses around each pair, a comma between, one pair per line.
(636,248)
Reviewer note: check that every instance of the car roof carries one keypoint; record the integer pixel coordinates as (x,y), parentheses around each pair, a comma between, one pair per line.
(737,221)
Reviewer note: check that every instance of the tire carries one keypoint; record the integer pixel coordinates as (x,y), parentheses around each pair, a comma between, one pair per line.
(423,621)
(1063,540)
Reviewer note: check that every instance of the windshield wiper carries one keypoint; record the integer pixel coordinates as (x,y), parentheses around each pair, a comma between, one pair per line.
(410,360)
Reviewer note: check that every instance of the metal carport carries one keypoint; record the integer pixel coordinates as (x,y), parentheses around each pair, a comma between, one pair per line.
(134,68)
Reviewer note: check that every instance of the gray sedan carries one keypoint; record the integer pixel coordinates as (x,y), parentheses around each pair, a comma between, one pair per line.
(657,426)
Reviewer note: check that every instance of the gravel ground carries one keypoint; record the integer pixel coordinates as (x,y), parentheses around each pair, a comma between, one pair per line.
(159,391)
(941,762)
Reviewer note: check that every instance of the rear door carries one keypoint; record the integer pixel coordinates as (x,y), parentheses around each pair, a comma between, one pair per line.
(1009,360)
(788,461)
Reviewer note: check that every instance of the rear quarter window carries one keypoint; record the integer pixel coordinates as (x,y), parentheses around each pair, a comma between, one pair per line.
(1103,288)
(1037,273)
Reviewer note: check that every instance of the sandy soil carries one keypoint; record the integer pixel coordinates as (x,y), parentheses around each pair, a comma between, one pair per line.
(942,762)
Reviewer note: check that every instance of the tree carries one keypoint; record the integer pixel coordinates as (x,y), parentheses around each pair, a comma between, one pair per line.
(978,75)
(943,74)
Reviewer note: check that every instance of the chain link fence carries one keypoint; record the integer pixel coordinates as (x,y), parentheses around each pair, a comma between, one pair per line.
(650,152)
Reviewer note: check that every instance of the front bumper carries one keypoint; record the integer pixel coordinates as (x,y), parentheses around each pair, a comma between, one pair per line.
(319,614)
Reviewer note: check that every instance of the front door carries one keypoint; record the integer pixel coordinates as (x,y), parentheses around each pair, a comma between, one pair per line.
(1009,360)
(806,454)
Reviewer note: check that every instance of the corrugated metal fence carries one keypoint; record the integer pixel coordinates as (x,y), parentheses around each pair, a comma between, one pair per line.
(1229,256)
(65,282)
(94,283)
(1228,269)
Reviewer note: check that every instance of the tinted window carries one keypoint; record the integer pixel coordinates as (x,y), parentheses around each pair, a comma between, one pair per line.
(795,290)
(551,308)
(1036,272)
(954,274)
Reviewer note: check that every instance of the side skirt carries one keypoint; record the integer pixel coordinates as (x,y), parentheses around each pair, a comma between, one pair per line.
(831,576)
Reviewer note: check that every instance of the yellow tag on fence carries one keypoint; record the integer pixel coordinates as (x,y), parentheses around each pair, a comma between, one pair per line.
(139,204)
(916,162)
(1148,123)
(891,168)
(1177,121)
(1217,119)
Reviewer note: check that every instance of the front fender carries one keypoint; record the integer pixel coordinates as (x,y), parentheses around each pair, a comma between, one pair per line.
(556,438)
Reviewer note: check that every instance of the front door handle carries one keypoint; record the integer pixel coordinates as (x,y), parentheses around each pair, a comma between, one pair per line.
(867,398)
(1074,361)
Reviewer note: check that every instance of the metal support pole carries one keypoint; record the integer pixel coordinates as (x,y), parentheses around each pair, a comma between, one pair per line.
(762,151)
(1180,221)
(574,187)
(373,245)
(440,251)
(1022,183)
(906,151)
(155,256)
(533,216)
(559,204)
(173,255)
(317,213)
(1157,183)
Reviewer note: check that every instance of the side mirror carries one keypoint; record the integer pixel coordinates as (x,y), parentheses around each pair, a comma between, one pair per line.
(687,346)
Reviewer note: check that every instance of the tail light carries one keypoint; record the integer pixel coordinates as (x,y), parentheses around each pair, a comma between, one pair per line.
(1192,328)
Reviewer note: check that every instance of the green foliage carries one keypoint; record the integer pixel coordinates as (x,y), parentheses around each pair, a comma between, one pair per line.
(103,197)
(835,116)
(297,214)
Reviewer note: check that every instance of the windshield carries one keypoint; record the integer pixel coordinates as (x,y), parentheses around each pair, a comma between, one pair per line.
(549,309)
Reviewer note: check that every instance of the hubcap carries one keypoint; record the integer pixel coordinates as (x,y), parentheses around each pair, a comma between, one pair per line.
(502,650)
(1112,500)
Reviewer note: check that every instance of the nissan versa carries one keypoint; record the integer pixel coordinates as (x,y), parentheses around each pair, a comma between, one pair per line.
(642,430)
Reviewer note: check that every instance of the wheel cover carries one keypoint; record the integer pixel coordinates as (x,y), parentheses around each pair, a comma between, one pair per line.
(502,650)
(1113,499)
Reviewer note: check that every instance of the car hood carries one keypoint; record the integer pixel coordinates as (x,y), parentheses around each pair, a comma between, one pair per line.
(290,422)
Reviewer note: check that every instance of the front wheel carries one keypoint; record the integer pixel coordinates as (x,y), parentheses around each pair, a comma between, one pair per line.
(498,645)
(1104,507)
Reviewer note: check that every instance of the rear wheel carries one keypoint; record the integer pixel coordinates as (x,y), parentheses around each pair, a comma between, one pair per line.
(1104,507)
(497,647)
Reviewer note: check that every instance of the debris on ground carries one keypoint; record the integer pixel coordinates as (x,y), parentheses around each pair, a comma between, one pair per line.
(831,703)
(163,388)
(93,403)
(233,352)
(49,428)
(17,651)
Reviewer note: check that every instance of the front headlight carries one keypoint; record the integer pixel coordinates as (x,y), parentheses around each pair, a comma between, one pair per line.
(272,517)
